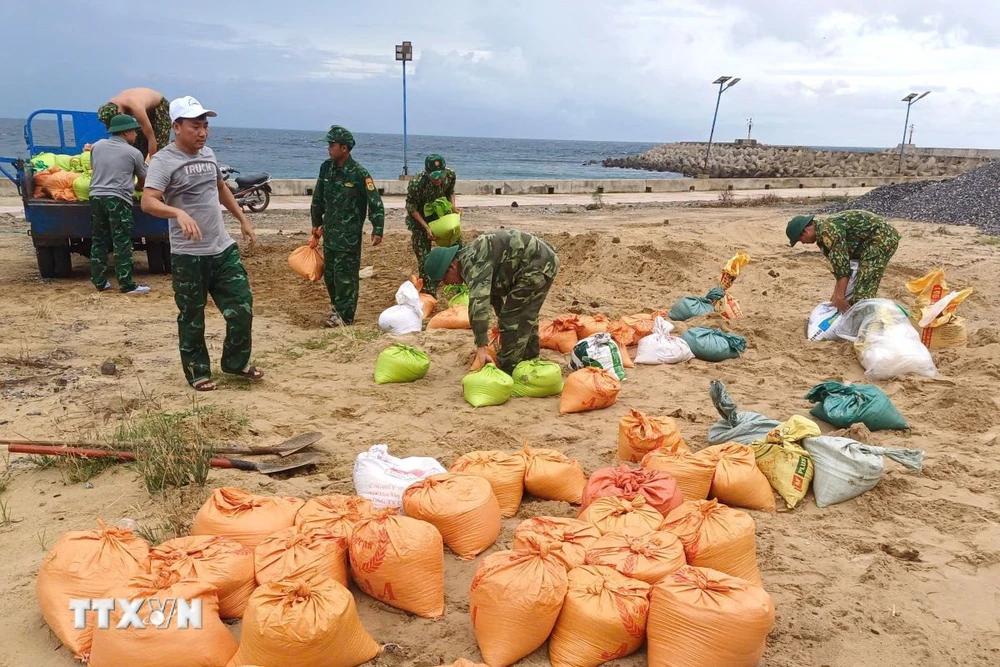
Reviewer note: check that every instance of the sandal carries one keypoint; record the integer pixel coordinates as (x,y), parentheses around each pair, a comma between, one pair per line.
(334,321)
(251,373)
(204,384)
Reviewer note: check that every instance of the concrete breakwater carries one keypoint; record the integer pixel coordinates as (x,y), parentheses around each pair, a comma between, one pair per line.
(752,160)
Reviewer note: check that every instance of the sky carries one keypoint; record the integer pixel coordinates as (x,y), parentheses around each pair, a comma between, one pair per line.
(813,72)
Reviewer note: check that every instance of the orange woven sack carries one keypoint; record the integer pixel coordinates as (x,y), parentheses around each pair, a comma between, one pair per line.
(716,536)
(427,301)
(588,325)
(456,317)
(307,261)
(624,336)
(169,643)
(575,536)
(303,623)
(738,481)
(85,564)
(692,472)
(335,513)
(39,180)
(283,554)
(589,389)
(559,334)
(642,324)
(515,599)
(603,618)
(60,185)
(617,514)
(638,435)
(399,560)
(462,662)
(243,516)
(504,472)
(461,506)
(658,488)
(220,561)
(701,618)
(551,475)
(641,555)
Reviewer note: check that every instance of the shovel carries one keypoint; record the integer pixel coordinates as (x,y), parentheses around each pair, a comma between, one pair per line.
(283,449)
(289,463)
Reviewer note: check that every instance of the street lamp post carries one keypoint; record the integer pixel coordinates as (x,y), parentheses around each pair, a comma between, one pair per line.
(404,54)
(910,100)
(722,82)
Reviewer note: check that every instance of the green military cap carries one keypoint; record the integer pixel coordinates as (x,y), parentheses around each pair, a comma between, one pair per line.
(438,260)
(796,226)
(434,165)
(340,135)
(122,123)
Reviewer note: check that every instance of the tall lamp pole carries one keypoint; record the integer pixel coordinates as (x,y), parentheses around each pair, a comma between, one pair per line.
(910,100)
(404,54)
(722,88)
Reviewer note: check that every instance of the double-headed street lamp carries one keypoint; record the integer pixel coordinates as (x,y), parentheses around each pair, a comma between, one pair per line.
(722,88)
(910,100)
(404,54)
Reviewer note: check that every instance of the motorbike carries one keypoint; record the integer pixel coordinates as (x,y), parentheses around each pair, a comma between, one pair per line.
(253,191)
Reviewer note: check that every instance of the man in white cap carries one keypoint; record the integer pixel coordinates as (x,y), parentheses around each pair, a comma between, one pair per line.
(184,185)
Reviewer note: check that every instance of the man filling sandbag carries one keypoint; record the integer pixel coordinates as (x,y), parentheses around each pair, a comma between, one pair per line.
(510,270)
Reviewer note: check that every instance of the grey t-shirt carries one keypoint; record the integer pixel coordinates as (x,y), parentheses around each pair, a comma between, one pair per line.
(116,163)
(190,183)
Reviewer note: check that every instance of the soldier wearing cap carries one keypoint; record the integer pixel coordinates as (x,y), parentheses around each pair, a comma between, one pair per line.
(510,270)
(344,195)
(185,186)
(850,235)
(436,181)
(116,164)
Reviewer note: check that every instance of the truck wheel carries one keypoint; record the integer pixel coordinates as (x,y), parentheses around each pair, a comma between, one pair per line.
(154,254)
(46,261)
(167,267)
(62,261)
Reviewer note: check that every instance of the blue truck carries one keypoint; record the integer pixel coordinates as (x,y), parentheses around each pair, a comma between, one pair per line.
(60,228)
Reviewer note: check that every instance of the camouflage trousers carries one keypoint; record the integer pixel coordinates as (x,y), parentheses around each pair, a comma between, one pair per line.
(421,247)
(223,277)
(871,265)
(517,318)
(111,226)
(340,273)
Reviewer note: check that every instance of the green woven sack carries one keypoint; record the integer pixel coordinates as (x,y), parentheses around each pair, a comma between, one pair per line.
(487,386)
(714,344)
(845,404)
(447,229)
(457,295)
(81,187)
(43,161)
(438,208)
(401,363)
(64,162)
(694,306)
(537,379)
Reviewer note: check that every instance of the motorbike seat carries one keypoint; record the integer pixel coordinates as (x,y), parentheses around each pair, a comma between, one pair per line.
(251,180)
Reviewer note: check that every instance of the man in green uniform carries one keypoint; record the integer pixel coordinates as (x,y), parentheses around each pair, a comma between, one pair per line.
(510,270)
(150,109)
(436,181)
(857,235)
(345,193)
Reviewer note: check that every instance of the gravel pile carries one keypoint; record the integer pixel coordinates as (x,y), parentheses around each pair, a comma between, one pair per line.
(970,199)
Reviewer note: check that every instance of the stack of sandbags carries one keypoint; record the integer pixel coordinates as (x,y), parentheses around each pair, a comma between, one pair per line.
(461,506)
(243,516)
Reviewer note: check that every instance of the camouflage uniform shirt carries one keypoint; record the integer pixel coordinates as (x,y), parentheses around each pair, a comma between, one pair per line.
(849,234)
(493,264)
(422,191)
(342,198)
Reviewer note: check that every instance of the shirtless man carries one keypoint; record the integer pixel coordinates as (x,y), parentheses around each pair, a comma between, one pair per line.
(152,111)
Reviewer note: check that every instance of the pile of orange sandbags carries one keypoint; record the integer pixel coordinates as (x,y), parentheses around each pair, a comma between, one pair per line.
(505,473)
(699,617)
(551,475)
(646,556)
(717,537)
(658,488)
(336,513)
(737,480)
(642,323)
(288,552)
(515,600)
(589,389)
(85,564)
(588,325)
(302,623)
(461,506)
(243,516)
(220,561)
(559,334)
(639,435)
(611,514)
(603,618)
(176,642)
(693,472)
(575,537)
(399,560)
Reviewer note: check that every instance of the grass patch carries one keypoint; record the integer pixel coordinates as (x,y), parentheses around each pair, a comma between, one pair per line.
(77,469)
(43,541)
(44,461)
(6,517)
(728,200)
(988,240)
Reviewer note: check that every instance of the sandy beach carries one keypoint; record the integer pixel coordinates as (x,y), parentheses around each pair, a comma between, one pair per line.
(906,574)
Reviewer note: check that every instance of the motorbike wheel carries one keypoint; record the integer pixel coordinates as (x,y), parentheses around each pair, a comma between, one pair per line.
(258,200)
